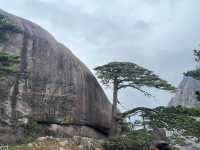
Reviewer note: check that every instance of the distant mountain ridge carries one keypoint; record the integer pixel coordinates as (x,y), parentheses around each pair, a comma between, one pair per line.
(186,93)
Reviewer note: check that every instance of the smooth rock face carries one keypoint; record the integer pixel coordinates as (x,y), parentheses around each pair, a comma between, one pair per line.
(185,95)
(54,86)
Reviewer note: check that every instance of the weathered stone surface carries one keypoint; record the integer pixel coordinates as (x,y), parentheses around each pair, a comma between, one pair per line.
(73,143)
(185,95)
(54,86)
(75,130)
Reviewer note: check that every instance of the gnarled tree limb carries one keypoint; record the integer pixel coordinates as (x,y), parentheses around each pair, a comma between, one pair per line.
(134,110)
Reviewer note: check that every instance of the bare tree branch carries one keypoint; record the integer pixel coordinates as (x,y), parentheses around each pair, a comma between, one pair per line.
(137,88)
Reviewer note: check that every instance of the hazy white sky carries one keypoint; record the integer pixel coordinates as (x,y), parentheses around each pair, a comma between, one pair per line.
(159,35)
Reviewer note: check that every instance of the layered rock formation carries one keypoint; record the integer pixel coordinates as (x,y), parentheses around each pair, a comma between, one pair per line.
(53,88)
(186,93)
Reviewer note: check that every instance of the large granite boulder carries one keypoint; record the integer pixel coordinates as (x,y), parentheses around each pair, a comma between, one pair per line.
(186,93)
(54,87)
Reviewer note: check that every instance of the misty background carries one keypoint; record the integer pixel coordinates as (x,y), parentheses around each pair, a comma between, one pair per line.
(159,35)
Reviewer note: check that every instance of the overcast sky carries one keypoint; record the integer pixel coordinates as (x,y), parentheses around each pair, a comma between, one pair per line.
(159,35)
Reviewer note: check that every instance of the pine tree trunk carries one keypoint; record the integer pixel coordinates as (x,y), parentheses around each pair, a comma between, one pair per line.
(114,108)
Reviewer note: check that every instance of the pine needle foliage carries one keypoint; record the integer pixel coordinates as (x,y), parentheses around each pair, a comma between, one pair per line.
(129,74)
(8,64)
(177,119)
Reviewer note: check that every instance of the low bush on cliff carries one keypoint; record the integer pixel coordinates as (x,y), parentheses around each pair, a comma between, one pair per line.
(33,127)
(31,131)
(135,140)
(8,64)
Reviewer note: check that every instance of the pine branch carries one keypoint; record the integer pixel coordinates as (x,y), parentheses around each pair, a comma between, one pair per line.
(132,111)
(137,88)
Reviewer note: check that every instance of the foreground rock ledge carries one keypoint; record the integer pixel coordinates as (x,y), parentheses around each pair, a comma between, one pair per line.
(74,143)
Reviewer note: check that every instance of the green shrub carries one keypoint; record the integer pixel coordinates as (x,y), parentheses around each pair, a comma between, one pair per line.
(136,140)
(33,127)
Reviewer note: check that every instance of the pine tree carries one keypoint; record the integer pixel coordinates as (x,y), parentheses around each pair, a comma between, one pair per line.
(126,74)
